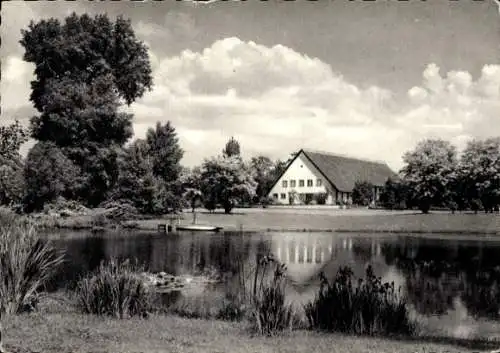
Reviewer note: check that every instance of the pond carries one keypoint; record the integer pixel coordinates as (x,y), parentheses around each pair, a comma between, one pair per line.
(457,278)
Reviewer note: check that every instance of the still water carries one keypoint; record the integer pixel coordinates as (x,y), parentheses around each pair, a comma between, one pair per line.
(437,275)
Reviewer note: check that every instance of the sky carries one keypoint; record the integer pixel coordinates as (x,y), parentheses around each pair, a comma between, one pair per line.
(359,78)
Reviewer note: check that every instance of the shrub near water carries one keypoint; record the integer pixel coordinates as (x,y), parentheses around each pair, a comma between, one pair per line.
(115,289)
(271,314)
(371,308)
(27,262)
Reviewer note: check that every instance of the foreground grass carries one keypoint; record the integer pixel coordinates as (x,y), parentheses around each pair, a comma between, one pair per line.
(72,332)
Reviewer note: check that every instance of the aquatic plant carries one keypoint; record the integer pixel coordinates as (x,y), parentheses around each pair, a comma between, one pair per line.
(27,263)
(368,308)
(270,313)
(115,289)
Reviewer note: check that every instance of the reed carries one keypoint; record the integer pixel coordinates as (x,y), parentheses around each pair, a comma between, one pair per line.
(271,314)
(368,308)
(115,289)
(27,263)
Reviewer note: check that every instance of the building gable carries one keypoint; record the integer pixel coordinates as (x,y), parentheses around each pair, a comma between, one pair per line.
(300,169)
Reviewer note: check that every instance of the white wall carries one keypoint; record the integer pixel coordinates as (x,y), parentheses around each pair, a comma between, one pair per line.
(301,168)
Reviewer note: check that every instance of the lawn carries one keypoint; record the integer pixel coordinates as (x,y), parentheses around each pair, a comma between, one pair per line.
(354,220)
(73,332)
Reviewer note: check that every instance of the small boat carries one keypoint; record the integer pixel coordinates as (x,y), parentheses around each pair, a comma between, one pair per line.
(199,228)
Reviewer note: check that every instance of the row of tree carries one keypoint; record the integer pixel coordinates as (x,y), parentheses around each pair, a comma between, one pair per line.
(436,175)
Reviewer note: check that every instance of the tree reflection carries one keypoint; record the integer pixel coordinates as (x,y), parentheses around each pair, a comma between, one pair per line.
(436,274)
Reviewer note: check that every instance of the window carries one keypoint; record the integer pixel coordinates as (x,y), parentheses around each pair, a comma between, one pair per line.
(309,182)
(275,196)
(292,183)
(318,182)
(284,183)
(301,183)
(283,196)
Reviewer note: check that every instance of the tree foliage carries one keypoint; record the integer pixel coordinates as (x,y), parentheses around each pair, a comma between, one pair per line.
(138,184)
(262,169)
(85,68)
(226,181)
(49,174)
(191,185)
(85,49)
(232,148)
(11,138)
(165,151)
(394,195)
(11,165)
(135,184)
(428,170)
(362,193)
(479,171)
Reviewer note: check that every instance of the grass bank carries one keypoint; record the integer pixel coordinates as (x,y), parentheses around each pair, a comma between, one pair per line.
(72,332)
(344,221)
(296,220)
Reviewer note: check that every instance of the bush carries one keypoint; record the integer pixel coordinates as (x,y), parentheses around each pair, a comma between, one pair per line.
(371,308)
(115,289)
(99,220)
(271,315)
(27,263)
(48,173)
(120,211)
(362,194)
(233,309)
(321,198)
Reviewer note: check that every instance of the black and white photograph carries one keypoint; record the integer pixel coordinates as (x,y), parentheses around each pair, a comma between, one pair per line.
(235,176)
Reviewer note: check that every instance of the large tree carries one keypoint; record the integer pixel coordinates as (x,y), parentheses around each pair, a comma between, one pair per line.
(135,184)
(85,68)
(479,171)
(226,181)
(139,184)
(165,152)
(428,172)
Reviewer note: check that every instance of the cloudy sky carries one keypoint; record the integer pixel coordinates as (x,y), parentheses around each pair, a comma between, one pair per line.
(366,79)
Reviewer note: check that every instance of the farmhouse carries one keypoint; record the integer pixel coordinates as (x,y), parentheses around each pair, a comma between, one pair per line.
(320,177)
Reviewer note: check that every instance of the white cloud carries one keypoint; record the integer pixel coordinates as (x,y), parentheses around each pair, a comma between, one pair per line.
(276,100)
(15,83)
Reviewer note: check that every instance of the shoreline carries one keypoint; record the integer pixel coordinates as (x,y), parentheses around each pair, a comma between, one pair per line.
(275,220)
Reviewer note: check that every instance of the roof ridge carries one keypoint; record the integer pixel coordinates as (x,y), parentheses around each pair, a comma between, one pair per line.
(344,156)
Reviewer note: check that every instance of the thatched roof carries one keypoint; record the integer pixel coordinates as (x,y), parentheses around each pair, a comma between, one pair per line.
(343,172)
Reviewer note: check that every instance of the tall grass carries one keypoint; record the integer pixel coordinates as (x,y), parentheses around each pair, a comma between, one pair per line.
(27,262)
(368,308)
(115,289)
(271,314)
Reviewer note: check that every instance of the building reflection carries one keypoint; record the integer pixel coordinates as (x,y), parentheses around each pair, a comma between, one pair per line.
(306,255)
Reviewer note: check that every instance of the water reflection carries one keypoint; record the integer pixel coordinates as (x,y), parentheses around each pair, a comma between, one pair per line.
(437,275)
